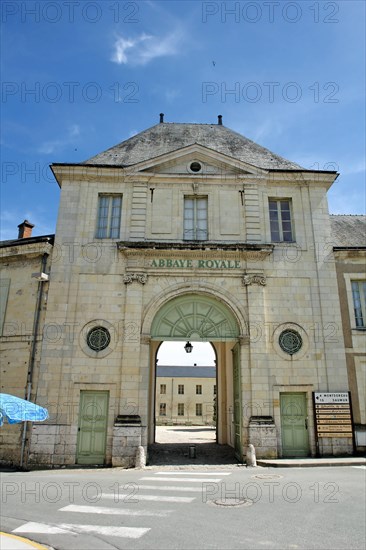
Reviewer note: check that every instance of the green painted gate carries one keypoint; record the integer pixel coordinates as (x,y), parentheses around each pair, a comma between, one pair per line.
(295,438)
(237,403)
(92,432)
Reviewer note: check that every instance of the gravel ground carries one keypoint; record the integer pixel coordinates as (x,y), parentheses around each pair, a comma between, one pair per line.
(185,434)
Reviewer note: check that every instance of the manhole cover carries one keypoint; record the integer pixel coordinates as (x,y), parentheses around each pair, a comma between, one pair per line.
(267,476)
(231,502)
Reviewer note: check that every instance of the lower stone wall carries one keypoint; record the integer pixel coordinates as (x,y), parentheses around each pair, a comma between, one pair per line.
(264,438)
(333,446)
(126,440)
(10,444)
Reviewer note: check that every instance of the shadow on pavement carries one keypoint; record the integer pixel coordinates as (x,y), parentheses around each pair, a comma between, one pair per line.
(180,454)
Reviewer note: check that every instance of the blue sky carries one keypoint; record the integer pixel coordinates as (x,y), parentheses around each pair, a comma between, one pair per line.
(79,77)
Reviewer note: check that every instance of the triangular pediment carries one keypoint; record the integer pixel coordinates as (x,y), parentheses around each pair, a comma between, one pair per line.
(196,160)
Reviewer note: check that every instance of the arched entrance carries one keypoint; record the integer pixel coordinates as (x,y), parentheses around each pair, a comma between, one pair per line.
(202,318)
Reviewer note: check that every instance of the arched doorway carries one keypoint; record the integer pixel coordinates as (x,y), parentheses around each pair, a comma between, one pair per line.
(199,317)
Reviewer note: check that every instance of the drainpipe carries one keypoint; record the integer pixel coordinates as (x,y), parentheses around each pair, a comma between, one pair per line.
(37,315)
(171,409)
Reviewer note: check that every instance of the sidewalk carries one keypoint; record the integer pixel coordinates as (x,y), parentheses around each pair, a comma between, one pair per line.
(13,542)
(312,462)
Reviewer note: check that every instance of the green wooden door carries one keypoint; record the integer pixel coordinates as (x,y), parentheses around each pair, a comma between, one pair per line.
(237,403)
(295,439)
(92,433)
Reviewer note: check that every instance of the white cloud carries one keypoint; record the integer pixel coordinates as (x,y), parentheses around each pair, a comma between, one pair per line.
(171,95)
(48,147)
(144,48)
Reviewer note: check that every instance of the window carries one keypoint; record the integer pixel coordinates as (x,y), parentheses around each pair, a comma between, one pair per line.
(359,302)
(195,218)
(195,167)
(162,388)
(109,216)
(198,389)
(290,341)
(198,409)
(214,389)
(180,409)
(98,338)
(181,389)
(162,409)
(280,220)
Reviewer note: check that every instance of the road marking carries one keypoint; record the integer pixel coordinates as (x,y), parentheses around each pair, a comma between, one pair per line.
(75,529)
(193,473)
(189,479)
(32,527)
(171,488)
(362,467)
(113,511)
(138,497)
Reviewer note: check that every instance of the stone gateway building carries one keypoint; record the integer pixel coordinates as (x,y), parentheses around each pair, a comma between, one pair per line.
(187,232)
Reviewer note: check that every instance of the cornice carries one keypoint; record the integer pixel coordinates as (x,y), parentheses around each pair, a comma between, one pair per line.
(20,251)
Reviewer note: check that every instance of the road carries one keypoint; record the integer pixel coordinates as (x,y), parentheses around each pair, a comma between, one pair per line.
(197,507)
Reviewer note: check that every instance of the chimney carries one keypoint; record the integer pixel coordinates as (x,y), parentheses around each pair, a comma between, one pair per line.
(161,118)
(219,120)
(25,230)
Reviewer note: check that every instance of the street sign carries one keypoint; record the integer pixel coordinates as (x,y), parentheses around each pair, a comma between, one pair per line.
(327,397)
(333,415)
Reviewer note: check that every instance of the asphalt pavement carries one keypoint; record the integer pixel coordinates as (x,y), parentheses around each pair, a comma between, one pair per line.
(188,507)
(198,503)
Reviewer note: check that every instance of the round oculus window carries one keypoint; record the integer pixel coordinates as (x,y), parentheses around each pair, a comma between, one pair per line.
(98,338)
(290,341)
(195,167)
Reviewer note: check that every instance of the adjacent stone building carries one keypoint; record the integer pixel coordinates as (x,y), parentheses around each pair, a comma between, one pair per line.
(349,236)
(25,263)
(185,395)
(193,232)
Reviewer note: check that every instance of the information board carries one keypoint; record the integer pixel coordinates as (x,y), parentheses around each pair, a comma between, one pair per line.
(333,415)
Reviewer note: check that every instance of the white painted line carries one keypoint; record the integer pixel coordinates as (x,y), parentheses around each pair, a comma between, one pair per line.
(33,527)
(362,467)
(113,511)
(137,497)
(171,488)
(193,473)
(189,479)
(75,529)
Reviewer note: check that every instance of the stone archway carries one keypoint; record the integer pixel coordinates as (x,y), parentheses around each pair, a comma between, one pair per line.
(200,317)
(194,315)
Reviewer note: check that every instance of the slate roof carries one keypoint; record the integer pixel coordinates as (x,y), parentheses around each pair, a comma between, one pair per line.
(28,240)
(167,137)
(348,230)
(185,372)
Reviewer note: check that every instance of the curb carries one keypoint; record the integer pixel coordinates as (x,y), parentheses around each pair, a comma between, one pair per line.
(311,463)
(8,541)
